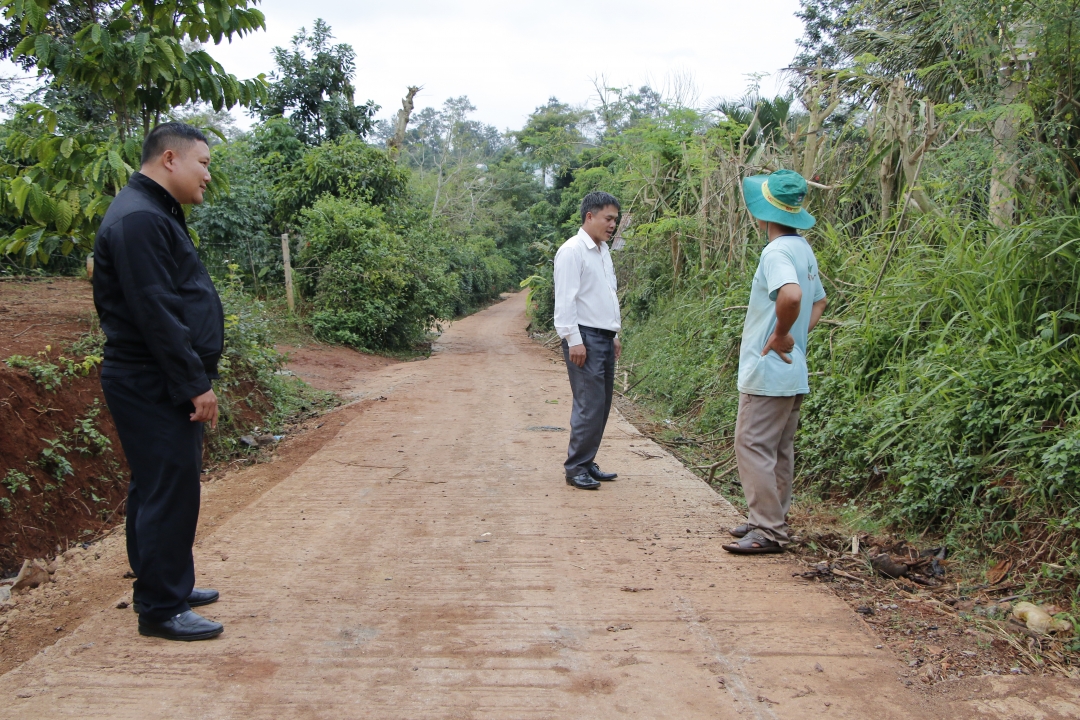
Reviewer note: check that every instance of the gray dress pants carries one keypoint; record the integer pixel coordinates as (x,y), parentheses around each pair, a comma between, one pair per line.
(593,386)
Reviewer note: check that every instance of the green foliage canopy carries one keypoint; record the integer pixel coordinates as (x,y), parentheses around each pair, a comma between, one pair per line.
(58,179)
(133,56)
(312,86)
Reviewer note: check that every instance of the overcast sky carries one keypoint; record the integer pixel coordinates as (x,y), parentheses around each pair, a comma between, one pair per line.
(509,56)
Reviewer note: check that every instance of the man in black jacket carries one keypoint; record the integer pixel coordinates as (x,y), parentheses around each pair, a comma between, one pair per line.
(164,329)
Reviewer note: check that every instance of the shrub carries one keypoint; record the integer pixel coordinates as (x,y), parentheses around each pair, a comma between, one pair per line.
(88,439)
(347,168)
(371,287)
(251,389)
(947,399)
(53,459)
(479,271)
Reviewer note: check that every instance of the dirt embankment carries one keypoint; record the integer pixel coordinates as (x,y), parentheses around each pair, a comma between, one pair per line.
(35,313)
(63,477)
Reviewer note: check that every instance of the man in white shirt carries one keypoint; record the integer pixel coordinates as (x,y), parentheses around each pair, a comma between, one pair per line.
(588,321)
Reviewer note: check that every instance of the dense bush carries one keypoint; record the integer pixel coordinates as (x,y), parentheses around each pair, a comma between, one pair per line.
(344,167)
(370,287)
(235,228)
(375,287)
(480,272)
(954,405)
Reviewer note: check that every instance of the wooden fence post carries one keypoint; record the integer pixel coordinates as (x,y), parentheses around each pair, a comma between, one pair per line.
(288,271)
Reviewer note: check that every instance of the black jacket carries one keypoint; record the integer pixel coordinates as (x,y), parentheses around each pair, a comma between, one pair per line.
(157,304)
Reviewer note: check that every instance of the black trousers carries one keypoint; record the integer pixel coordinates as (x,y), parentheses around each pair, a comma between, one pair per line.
(593,386)
(164,450)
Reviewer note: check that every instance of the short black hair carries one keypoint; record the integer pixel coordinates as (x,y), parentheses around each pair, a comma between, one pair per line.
(169,136)
(597,201)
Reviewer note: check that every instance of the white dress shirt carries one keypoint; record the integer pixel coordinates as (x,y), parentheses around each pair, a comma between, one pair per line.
(585,288)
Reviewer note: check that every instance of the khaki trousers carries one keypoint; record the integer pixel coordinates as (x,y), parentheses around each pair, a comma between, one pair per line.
(765,452)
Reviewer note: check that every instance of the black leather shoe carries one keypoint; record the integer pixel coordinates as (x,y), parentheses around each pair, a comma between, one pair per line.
(597,474)
(185,626)
(202,596)
(198,596)
(582,482)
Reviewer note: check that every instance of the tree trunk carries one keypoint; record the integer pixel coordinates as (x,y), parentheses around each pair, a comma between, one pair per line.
(886,125)
(813,98)
(395,143)
(912,150)
(703,224)
(676,257)
(1006,170)
(915,193)
(887,182)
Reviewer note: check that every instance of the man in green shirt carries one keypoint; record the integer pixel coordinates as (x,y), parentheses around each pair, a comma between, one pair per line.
(786,302)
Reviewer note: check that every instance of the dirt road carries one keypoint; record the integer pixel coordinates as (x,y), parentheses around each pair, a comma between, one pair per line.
(430,562)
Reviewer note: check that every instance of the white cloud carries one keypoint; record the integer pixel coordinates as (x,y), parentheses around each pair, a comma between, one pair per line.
(510,57)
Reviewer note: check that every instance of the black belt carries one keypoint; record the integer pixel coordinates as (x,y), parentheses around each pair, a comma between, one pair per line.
(599,331)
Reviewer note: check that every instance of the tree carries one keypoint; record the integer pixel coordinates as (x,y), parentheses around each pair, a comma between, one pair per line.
(343,167)
(126,65)
(767,121)
(236,228)
(312,87)
(452,153)
(401,122)
(820,100)
(56,188)
(620,108)
(552,136)
(132,56)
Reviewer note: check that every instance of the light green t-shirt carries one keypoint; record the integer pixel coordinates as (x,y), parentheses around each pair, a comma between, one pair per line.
(787,259)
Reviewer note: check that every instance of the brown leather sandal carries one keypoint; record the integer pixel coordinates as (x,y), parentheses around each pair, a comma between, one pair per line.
(754,544)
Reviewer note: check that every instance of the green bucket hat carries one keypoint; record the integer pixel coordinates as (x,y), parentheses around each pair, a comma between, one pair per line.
(778,198)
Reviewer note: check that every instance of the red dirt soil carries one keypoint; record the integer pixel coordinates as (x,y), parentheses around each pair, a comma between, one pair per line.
(35,313)
(52,513)
(335,368)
